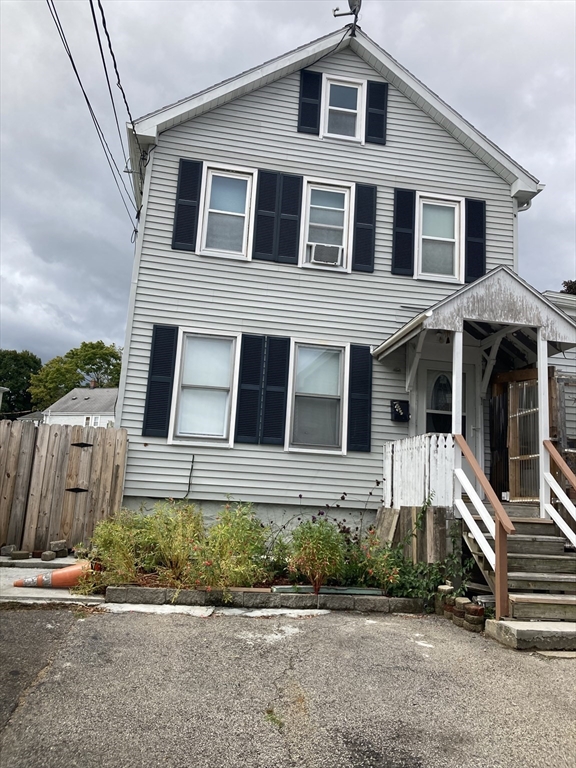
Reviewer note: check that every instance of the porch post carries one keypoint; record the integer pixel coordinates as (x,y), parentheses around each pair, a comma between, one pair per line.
(543,419)
(457,371)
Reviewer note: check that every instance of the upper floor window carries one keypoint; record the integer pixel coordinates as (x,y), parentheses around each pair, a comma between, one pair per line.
(227,207)
(326,230)
(440,238)
(344,109)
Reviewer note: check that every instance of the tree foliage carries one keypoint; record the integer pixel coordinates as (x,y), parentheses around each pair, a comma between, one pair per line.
(16,368)
(92,361)
(569,287)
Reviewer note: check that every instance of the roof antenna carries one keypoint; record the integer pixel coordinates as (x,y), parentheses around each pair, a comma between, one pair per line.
(354,11)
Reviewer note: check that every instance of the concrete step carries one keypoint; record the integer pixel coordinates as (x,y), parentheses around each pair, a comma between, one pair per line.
(523,581)
(533,563)
(527,526)
(543,607)
(533,635)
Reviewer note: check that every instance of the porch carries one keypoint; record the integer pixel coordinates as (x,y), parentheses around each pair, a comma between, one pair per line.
(483,403)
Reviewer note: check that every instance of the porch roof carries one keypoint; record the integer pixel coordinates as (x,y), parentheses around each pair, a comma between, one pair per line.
(500,298)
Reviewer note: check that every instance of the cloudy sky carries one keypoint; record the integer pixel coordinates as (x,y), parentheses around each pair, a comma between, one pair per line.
(66,251)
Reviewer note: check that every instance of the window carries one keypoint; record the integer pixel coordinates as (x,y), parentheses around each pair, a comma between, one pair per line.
(206,386)
(344,109)
(226,213)
(327,230)
(86,421)
(439,240)
(439,402)
(96,421)
(317,402)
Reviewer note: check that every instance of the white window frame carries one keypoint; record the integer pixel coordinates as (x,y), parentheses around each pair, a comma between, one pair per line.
(329,80)
(345,348)
(228,440)
(95,421)
(214,169)
(459,241)
(310,183)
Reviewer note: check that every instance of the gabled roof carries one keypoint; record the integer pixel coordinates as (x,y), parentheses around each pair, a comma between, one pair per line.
(524,186)
(500,297)
(86,400)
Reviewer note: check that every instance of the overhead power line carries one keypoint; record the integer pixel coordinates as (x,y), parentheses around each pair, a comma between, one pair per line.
(117,175)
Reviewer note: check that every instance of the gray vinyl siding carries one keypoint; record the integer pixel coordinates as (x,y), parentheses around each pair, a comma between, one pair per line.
(260,131)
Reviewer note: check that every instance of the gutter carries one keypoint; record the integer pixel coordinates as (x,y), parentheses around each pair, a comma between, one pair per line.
(397,337)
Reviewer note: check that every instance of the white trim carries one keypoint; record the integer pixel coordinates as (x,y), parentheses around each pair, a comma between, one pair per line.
(348,238)
(360,85)
(458,204)
(543,418)
(225,169)
(225,442)
(345,347)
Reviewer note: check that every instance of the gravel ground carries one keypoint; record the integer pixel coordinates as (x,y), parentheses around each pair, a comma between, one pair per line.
(341,690)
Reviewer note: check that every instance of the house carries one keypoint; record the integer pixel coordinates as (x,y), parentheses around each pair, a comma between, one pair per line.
(326,268)
(88,407)
(35,416)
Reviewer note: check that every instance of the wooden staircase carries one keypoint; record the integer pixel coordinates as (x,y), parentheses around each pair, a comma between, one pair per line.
(541,565)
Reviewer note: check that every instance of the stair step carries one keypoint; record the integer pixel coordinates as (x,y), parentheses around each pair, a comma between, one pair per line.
(544,582)
(527,526)
(538,545)
(553,564)
(519,509)
(526,635)
(543,607)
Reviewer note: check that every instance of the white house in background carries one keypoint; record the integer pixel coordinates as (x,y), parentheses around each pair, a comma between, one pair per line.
(85,407)
(326,265)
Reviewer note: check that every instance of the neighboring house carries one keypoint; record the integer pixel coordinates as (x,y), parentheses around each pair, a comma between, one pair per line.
(84,406)
(326,262)
(36,416)
(2,390)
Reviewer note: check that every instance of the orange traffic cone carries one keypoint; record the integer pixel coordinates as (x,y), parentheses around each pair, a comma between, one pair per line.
(58,578)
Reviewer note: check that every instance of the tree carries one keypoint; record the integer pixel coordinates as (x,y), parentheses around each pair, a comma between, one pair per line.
(93,363)
(16,368)
(569,287)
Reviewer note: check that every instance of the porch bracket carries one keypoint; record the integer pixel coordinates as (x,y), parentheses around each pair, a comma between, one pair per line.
(489,367)
(414,367)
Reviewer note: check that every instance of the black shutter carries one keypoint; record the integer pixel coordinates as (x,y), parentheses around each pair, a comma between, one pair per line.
(266,207)
(288,221)
(364,229)
(249,389)
(403,237)
(360,399)
(275,391)
(310,98)
(187,202)
(475,240)
(160,381)
(376,105)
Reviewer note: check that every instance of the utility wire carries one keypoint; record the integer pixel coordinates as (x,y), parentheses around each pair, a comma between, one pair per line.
(108,81)
(142,164)
(105,147)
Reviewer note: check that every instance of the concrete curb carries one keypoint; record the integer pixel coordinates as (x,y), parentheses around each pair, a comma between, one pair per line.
(263,599)
(36,563)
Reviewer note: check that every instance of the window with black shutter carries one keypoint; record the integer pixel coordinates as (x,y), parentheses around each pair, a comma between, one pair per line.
(376,108)
(160,381)
(403,233)
(277,217)
(360,399)
(364,229)
(186,214)
(310,102)
(475,249)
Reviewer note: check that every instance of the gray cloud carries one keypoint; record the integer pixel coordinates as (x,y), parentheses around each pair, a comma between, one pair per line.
(66,261)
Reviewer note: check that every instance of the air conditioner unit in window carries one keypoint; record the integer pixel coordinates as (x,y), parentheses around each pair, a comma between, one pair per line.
(329,255)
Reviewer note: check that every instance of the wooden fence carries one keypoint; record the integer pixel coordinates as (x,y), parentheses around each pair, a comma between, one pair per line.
(57,481)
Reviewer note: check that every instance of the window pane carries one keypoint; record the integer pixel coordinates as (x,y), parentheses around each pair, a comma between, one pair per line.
(225,233)
(316,422)
(343,96)
(438,221)
(439,392)
(318,371)
(228,194)
(207,362)
(341,123)
(327,216)
(327,199)
(203,412)
(318,234)
(437,257)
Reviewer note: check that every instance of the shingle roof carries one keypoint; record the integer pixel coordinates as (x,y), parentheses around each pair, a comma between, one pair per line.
(85,400)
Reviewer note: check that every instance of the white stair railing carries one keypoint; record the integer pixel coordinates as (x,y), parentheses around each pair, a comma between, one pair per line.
(560,493)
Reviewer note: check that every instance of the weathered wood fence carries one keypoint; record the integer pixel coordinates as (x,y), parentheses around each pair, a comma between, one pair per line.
(57,481)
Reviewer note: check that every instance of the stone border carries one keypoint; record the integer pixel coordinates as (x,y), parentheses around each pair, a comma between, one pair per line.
(263,599)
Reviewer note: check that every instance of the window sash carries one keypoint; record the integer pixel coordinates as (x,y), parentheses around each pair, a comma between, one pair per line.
(210,212)
(341,233)
(185,401)
(330,109)
(457,241)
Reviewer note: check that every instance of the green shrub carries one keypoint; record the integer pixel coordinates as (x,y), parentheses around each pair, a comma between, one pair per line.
(234,552)
(317,551)
(174,541)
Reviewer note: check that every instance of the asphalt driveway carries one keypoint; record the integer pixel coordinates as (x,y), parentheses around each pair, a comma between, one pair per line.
(334,691)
